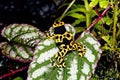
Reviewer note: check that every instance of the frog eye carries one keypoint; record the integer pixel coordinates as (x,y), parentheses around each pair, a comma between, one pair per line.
(61,23)
(55,25)
(58,24)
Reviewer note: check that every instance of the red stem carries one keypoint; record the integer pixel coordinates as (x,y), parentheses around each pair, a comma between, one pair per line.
(99,17)
(96,10)
(13,72)
(95,21)
(98,14)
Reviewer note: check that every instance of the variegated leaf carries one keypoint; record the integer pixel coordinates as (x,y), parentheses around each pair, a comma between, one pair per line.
(77,68)
(23,34)
(17,52)
(22,39)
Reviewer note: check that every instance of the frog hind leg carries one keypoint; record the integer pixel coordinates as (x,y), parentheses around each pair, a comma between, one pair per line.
(60,63)
(81,49)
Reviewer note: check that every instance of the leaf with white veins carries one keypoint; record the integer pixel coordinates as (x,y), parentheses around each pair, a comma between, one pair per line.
(77,68)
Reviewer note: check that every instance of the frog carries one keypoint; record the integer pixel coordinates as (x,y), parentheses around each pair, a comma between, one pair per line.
(65,42)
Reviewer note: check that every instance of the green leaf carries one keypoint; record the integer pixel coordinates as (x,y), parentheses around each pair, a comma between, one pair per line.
(77,15)
(79,29)
(76,10)
(103,3)
(77,68)
(108,20)
(77,21)
(93,3)
(18,78)
(108,40)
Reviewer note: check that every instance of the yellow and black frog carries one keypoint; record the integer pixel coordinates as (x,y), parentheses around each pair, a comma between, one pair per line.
(64,41)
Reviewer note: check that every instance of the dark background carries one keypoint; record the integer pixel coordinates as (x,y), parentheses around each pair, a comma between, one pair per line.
(35,12)
(39,13)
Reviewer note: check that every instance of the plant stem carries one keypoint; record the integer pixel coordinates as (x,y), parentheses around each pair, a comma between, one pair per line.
(87,13)
(95,21)
(13,72)
(66,10)
(114,25)
(99,17)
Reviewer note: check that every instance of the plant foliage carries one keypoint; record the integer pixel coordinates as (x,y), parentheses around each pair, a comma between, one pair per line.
(107,31)
(21,40)
(26,40)
(77,68)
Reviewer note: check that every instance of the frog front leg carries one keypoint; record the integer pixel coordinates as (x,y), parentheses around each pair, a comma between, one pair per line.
(59,56)
(49,36)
